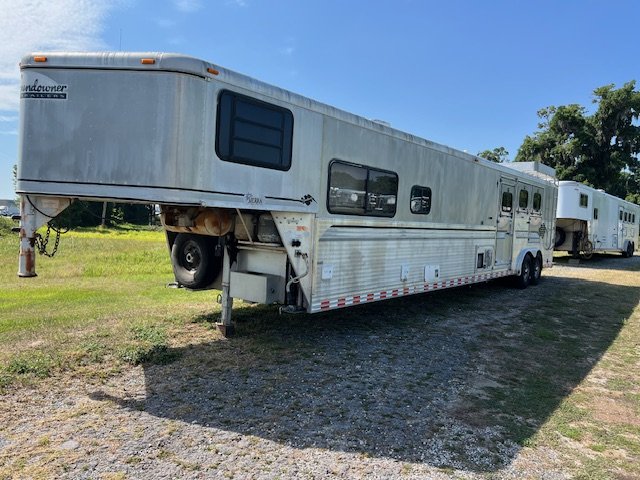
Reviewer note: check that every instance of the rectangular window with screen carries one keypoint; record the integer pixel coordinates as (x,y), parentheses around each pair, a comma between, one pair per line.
(507,202)
(420,200)
(523,199)
(360,190)
(537,202)
(253,132)
(584,200)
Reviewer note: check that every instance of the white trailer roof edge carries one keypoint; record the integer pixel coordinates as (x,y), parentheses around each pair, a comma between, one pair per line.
(599,191)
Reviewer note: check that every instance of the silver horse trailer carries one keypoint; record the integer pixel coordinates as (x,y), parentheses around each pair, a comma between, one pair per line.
(590,220)
(270,196)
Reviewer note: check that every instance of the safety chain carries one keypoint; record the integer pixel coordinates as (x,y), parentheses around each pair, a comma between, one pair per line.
(41,243)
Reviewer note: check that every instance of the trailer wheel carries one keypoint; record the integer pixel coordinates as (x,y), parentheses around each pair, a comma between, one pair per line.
(524,278)
(536,270)
(193,260)
(560,237)
(629,251)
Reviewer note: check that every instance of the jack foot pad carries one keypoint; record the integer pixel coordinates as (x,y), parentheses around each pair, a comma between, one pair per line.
(226,330)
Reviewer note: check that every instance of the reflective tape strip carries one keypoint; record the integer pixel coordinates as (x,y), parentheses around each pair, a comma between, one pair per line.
(384,294)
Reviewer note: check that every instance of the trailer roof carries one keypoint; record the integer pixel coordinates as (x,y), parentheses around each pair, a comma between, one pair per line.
(586,188)
(173,62)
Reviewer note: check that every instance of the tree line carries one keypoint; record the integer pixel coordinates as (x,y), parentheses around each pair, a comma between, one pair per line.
(599,149)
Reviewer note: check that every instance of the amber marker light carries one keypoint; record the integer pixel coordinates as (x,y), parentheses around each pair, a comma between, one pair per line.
(213,71)
(40,59)
(147,61)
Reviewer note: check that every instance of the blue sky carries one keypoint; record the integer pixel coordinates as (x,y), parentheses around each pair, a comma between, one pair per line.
(468,74)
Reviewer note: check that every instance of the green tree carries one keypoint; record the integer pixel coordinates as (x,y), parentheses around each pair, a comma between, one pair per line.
(600,149)
(498,155)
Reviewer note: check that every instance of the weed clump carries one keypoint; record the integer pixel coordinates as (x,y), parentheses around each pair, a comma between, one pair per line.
(147,344)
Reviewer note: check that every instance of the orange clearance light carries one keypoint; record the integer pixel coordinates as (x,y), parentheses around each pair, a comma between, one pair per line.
(40,59)
(147,61)
(213,71)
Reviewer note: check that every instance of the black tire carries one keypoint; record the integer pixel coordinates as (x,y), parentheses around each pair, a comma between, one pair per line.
(561,236)
(629,251)
(523,280)
(194,262)
(536,270)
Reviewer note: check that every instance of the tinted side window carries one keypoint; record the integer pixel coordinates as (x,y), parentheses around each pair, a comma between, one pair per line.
(420,200)
(507,201)
(253,132)
(360,190)
(382,188)
(537,201)
(584,200)
(523,199)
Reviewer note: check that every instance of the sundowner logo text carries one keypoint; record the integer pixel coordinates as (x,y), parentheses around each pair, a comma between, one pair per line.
(37,90)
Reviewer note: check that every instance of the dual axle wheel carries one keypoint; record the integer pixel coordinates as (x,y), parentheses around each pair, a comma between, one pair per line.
(530,271)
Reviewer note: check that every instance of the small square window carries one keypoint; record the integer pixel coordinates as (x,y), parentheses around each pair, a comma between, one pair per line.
(420,200)
(584,200)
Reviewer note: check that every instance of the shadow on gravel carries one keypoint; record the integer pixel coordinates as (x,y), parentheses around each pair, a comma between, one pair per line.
(459,378)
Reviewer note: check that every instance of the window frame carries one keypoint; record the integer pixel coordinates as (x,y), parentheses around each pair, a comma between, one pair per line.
(586,203)
(533,202)
(286,132)
(502,209)
(520,207)
(366,189)
(430,196)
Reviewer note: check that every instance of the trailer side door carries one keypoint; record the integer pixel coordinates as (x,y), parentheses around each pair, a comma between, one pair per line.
(504,232)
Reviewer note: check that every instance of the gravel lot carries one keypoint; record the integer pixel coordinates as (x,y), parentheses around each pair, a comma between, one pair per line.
(399,396)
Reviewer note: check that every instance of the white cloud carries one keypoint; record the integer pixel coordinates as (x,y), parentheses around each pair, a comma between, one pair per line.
(8,132)
(237,3)
(188,5)
(8,118)
(32,25)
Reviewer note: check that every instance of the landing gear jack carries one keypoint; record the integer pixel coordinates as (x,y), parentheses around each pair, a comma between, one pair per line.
(225,325)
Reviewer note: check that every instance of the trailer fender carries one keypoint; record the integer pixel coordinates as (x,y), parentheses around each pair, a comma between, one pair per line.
(518,263)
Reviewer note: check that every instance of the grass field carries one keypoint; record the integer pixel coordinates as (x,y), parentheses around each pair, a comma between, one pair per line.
(563,364)
(102,300)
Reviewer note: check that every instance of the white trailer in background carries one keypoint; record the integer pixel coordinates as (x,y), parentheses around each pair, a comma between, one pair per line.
(590,220)
(268,195)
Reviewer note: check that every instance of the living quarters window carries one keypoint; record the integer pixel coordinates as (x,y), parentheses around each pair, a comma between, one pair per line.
(360,190)
(420,200)
(523,199)
(537,202)
(507,202)
(584,200)
(595,213)
(253,132)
